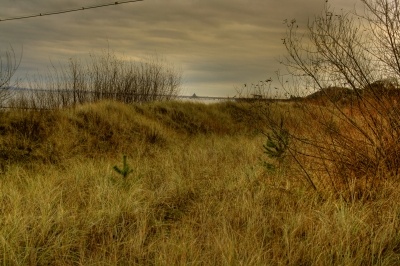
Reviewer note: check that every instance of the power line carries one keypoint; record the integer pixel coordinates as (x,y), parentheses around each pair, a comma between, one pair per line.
(70,10)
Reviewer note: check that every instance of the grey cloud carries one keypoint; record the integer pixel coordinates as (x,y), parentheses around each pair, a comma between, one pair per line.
(218,43)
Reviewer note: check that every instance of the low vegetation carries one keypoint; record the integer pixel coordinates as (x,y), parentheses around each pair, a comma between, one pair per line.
(197,191)
(103,76)
(310,180)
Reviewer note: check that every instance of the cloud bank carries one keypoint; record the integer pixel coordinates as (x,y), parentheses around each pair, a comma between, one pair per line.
(219,44)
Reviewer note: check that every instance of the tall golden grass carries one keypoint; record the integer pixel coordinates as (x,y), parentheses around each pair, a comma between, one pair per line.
(198,195)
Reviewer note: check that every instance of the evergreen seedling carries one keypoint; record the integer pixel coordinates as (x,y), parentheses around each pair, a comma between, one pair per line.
(276,145)
(126,170)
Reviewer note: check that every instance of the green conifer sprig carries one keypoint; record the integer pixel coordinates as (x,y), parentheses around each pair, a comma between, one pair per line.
(277,145)
(275,148)
(126,170)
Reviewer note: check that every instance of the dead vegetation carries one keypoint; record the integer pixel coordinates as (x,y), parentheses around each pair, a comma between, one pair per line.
(198,194)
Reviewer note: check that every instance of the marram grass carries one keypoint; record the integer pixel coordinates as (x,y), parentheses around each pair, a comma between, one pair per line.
(204,197)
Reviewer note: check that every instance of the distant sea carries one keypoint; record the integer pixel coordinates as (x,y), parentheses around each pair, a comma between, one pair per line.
(17,92)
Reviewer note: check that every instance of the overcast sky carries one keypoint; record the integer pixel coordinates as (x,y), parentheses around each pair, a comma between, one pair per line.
(219,44)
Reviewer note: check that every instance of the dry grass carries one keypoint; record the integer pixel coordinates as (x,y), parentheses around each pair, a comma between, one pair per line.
(198,194)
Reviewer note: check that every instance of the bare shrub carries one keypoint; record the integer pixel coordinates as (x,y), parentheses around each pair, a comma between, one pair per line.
(104,76)
(343,127)
(8,67)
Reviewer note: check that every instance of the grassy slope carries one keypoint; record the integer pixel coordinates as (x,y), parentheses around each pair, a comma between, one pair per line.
(198,194)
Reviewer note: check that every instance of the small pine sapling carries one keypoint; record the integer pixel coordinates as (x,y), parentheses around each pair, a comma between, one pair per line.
(277,145)
(126,170)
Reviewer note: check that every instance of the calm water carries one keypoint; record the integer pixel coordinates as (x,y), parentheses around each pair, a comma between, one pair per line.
(38,96)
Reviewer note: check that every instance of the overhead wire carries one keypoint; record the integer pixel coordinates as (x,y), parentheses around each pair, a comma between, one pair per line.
(69,10)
